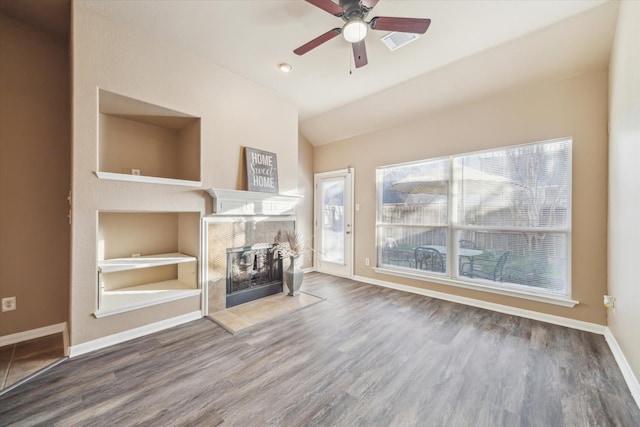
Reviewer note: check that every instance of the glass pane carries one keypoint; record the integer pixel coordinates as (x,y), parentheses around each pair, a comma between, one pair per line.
(415,193)
(416,248)
(536,260)
(333,233)
(525,186)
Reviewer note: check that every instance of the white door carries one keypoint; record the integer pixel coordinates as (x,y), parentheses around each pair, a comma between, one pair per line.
(333,242)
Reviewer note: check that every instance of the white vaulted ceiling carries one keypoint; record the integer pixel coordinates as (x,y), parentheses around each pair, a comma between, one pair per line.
(471,48)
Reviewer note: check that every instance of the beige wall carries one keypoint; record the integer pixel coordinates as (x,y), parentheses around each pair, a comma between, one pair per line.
(624,184)
(305,187)
(576,107)
(234,113)
(121,234)
(34,177)
(131,144)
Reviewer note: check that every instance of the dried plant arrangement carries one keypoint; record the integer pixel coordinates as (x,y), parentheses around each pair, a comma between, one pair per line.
(289,243)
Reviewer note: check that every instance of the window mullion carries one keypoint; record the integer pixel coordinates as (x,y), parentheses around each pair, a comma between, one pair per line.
(452,216)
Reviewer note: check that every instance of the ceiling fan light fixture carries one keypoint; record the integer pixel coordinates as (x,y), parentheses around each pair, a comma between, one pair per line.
(284,67)
(355,30)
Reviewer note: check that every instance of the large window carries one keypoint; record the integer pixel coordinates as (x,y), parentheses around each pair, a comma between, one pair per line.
(496,219)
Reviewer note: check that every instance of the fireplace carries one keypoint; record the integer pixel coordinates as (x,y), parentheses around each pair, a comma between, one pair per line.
(252,272)
(238,237)
(240,263)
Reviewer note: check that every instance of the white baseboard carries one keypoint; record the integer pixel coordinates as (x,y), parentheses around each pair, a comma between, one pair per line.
(627,373)
(100,343)
(34,333)
(529,314)
(308,270)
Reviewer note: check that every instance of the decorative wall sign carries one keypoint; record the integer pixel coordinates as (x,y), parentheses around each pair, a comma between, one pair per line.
(262,170)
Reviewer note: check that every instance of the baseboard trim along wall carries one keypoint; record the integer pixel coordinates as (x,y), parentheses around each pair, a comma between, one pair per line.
(627,373)
(100,343)
(34,333)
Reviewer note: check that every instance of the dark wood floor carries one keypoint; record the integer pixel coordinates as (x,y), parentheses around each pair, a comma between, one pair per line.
(367,356)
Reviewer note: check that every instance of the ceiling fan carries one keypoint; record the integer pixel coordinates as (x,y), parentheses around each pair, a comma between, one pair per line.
(354,13)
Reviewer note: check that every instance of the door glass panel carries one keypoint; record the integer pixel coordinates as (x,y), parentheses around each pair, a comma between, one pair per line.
(333,226)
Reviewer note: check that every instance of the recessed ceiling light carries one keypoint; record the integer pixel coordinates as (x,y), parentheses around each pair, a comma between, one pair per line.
(284,67)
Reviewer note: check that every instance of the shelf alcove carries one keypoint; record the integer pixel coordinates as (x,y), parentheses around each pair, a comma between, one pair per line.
(146,258)
(142,142)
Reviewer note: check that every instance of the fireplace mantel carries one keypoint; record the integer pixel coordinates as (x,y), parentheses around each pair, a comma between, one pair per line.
(235,202)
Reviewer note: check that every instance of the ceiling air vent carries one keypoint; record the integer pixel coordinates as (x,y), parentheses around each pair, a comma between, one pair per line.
(396,40)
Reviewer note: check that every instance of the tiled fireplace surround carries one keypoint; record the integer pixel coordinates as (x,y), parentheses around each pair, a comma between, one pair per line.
(235,232)
(240,219)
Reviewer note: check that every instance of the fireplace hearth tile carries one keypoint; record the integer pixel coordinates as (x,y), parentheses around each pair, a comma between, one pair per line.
(230,321)
(242,316)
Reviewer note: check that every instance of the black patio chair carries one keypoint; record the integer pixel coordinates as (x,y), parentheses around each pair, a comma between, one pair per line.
(429,259)
(488,265)
(465,244)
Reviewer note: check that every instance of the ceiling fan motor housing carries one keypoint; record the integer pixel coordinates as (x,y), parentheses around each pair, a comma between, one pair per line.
(352,9)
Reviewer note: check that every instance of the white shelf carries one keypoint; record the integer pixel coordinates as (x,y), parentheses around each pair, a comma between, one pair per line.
(147,179)
(124,264)
(136,297)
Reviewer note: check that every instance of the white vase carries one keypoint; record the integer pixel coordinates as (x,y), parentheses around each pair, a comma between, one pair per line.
(293,276)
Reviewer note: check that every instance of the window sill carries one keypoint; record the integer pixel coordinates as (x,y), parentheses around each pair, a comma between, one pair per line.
(443,280)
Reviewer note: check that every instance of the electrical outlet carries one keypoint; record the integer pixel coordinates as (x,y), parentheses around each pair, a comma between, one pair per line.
(8,304)
(135,171)
(367,262)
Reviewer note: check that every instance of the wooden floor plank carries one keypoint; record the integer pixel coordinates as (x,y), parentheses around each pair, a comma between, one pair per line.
(366,356)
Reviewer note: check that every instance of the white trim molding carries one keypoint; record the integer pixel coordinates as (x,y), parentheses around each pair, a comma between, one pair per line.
(529,314)
(236,202)
(100,343)
(35,333)
(627,372)
(163,297)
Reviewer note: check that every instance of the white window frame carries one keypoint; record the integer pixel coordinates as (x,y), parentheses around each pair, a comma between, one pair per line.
(453,229)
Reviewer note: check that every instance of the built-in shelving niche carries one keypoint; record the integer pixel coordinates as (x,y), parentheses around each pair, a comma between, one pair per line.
(146,258)
(142,142)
